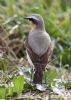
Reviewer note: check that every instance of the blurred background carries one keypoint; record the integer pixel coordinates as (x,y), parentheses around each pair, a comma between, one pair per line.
(57,18)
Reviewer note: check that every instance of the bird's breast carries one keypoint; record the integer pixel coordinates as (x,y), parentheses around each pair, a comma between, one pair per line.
(39,43)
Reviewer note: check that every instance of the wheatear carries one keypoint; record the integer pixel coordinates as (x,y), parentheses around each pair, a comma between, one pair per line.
(38,46)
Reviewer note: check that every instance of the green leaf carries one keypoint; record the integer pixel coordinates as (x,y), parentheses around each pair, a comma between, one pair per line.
(18,82)
(29,98)
(50,75)
(2,92)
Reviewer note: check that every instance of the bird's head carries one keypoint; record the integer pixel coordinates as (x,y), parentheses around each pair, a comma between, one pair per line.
(37,20)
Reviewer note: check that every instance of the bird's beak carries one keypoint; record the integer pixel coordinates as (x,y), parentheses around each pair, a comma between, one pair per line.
(27,18)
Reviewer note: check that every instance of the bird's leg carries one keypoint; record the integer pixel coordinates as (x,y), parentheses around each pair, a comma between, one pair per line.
(45,76)
(32,70)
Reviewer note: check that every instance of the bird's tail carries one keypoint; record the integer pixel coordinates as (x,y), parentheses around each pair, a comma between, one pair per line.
(38,75)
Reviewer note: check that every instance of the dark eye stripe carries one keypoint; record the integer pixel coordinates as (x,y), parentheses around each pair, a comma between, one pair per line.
(33,20)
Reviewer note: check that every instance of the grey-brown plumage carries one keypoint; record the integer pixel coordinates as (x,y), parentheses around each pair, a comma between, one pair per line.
(38,46)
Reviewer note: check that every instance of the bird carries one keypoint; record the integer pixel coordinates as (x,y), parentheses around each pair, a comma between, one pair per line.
(38,47)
